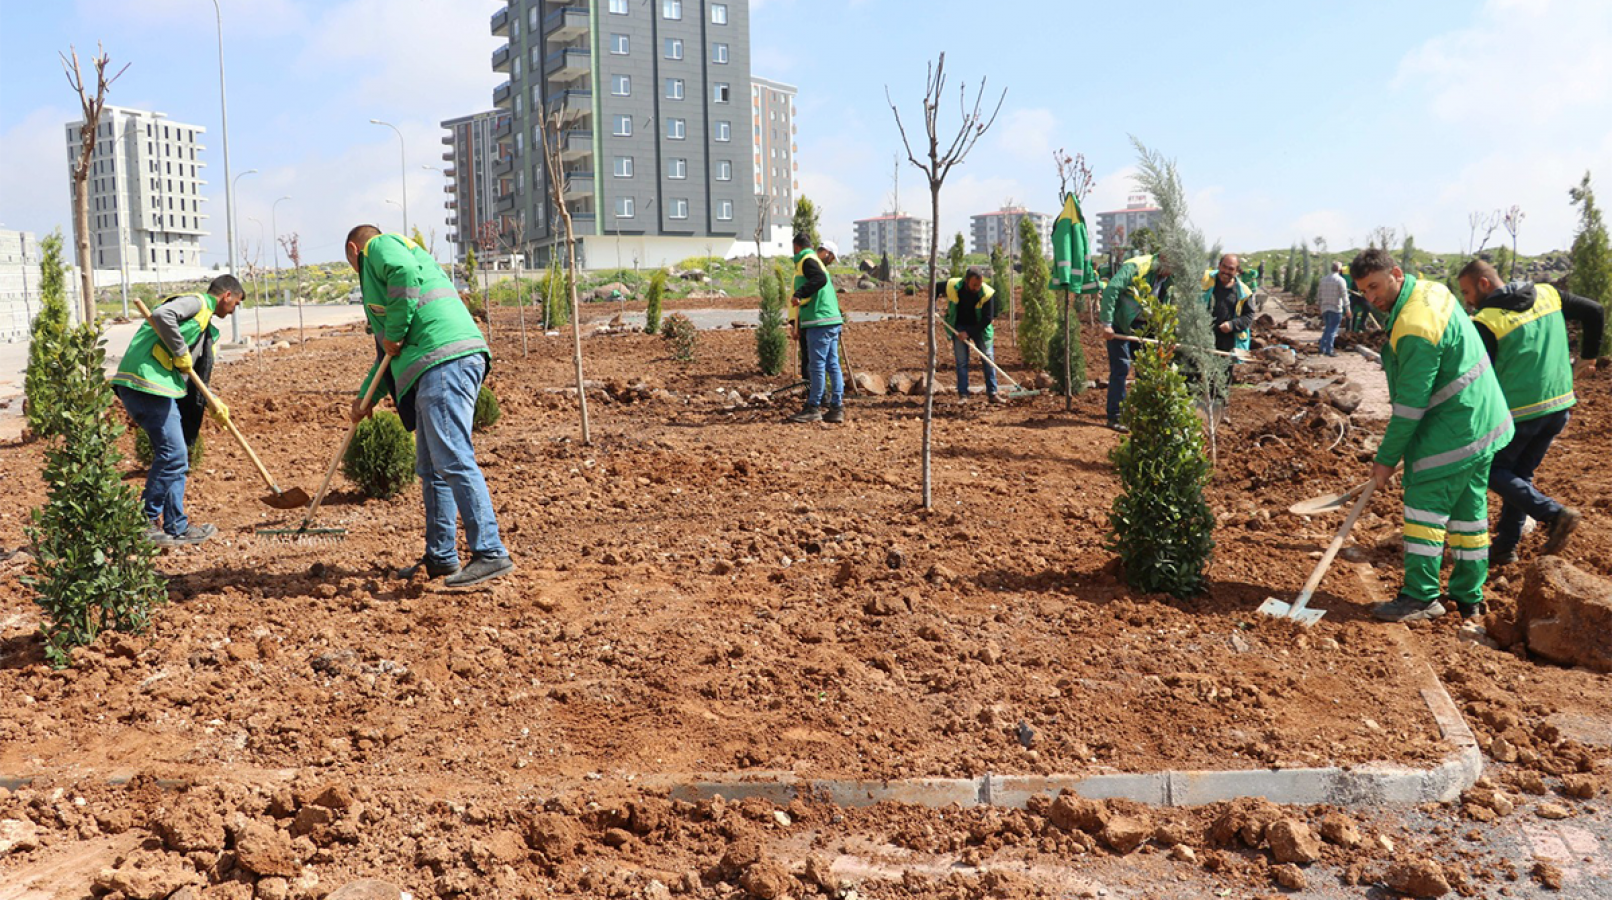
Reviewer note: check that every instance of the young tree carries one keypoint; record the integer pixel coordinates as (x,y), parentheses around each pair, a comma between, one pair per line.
(955,262)
(1288,270)
(1040,314)
(1407,253)
(91,108)
(1143,242)
(1077,353)
(558,182)
(1512,220)
(293,250)
(805,220)
(1591,256)
(41,383)
(772,342)
(999,277)
(654,297)
(938,164)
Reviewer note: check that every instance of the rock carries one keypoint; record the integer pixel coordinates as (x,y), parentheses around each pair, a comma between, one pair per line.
(18,836)
(1503,750)
(1553,811)
(1418,878)
(1289,876)
(556,837)
(1548,874)
(1345,398)
(883,605)
(1578,784)
(273,889)
(1183,853)
(262,849)
(1565,614)
(869,384)
(1280,355)
(1125,833)
(895,559)
(1339,829)
(366,889)
(1293,841)
(767,879)
(603,291)
(146,875)
(692,275)
(191,825)
(1072,812)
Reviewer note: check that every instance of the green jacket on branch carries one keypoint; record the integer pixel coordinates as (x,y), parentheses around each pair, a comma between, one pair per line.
(409,300)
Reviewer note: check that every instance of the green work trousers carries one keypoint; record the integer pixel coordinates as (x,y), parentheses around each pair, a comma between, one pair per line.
(1451,509)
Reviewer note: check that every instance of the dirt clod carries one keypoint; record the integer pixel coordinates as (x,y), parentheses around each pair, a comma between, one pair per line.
(1417,878)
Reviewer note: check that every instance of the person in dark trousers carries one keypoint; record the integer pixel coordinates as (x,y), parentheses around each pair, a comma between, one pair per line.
(1524,327)
(820,321)
(970,308)
(1120,314)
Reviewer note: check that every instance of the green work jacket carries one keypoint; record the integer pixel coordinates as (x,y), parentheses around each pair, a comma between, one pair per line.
(1532,359)
(1119,306)
(148,365)
(824,306)
(409,300)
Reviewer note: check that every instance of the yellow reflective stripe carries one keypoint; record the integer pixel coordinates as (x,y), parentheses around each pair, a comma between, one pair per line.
(1425,314)
(1470,541)
(1424,533)
(1544,406)
(1503,322)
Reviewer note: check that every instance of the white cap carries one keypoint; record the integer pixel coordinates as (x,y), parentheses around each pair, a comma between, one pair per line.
(830,246)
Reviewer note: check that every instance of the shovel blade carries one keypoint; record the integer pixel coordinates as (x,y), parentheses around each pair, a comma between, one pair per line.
(295,498)
(1303,615)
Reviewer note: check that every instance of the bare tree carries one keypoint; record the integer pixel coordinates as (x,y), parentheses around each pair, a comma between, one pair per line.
(1512,220)
(1488,221)
(293,250)
(1382,237)
(1074,174)
(487,240)
(557,186)
(517,257)
(91,107)
(939,164)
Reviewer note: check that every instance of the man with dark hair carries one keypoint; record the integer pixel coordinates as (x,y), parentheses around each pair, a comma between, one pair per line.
(1120,314)
(969,311)
(152,384)
(820,320)
(439,360)
(1524,328)
(1449,420)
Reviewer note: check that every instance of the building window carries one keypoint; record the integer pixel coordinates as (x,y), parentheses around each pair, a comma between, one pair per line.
(520,144)
(674,88)
(517,105)
(517,67)
(676,168)
(623,167)
(724,210)
(724,131)
(671,9)
(719,14)
(531,16)
(674,48)
(724,170)
(618,7)
(621,85)
(719,54)
(624,208)
(623,126)
(720,92)
(676,129)
(677,208)
(618,44)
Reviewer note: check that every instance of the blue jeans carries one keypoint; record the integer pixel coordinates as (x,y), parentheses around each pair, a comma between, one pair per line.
(960,354)
(450,480)
(1329,330)
(163,499)
(1119,368)
(1511,475)
(822,345)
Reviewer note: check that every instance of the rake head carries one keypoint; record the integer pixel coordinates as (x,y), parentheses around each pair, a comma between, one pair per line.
(303,535)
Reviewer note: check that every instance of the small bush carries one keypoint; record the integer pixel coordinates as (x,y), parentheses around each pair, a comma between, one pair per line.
(772,341)
(44,344)
(142,448)
(487,412)
(380,460)
(680,332)
(654,298)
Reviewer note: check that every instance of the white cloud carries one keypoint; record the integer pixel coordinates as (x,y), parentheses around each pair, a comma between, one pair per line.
(34,179)
(258,18)
(1027,135)
(411,54)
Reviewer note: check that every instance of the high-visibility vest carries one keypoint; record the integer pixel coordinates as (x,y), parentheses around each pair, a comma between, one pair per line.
(1531,357)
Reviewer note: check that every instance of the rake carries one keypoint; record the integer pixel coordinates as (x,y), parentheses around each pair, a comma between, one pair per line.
(1019,390)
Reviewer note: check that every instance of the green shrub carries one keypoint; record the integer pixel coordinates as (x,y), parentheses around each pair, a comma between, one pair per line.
(93,560)
(40,383)
(380,460)
(706,264)
(654,298)
(679,331)
(473,303)
(772,341)
(142,449)
(1040,316)
(487,412)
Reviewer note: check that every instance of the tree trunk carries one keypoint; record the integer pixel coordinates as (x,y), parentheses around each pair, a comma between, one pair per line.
(929,321)
(576,320)
(1068,389)
(81,243)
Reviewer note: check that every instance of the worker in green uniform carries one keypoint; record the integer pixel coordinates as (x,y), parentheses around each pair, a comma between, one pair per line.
(152,384)
(1449,420)
(970,310)
(1524,328)
(439,360)
(1120,314)
(817,307)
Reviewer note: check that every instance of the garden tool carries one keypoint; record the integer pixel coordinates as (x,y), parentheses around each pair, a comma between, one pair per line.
(279,499)
(1326,502)
(1238,354)
(1019,390)
(303,531)
(1299,610)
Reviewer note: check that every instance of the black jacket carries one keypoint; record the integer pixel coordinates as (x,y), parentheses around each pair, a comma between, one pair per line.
(1225,310)
(1519,296)
(971,320)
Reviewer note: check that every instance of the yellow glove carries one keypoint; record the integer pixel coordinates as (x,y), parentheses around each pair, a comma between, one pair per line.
(182,364)
(220,413)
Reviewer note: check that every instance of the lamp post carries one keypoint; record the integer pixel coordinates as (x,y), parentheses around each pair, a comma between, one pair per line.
(403,161)
(236,185)
(274,228)
(229,193)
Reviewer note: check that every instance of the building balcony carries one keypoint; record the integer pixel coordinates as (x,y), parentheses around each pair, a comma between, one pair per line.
(503,129)
(572,104)
(452,220)
(450,172)
(568,64)
(501,58)
(450,204)
(505,202)
(566,24)
(450,189)
(582,223)
(448,139)
(578,184)
(503,96)
(576,145)
(453,237)
(503,168)
(500,22)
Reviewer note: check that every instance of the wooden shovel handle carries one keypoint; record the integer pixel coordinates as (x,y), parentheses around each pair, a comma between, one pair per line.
(1336,545)
(335,461)
(987,360)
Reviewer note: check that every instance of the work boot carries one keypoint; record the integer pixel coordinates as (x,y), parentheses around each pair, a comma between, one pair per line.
(995,399)
(808,413)
(1116,425)
(1407,609)
(1502,557)
(154,532)
(432,570)
(193,535)
(834,415)
(1561,528)
(481,568)
(1471,610)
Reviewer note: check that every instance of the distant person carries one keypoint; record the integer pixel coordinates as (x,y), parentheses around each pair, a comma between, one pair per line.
(818,308)
(153,386)
(970,309)
(1523,326)
(439,360)
(1360,310)
(1120,314)
(1333,296)
(1449,420)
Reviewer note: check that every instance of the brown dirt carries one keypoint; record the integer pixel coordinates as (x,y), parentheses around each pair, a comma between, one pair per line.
(708,590)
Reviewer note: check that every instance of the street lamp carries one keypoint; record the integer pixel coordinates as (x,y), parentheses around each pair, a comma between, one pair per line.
(229,193)
(274,227)
(236,184)
(403,161)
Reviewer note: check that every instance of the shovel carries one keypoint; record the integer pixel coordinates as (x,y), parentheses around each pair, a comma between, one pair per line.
(1299,610)
(295,498)
(1326,502)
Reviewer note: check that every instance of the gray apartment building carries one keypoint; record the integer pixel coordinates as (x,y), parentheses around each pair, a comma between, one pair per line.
(145,193)
(653,137)
(1002,227)
(899,235)
(1114,228)
(476,147)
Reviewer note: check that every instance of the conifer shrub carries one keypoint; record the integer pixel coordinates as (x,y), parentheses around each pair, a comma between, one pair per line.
(772,341)
(487,412)
(654,298)
(380,460)
(1036,299)
(92,567)
(679,331)
(40,385)
(143,453)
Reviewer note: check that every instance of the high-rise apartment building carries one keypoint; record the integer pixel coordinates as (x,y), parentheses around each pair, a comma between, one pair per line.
(477,146)
(772,129)
(893,233)
(650,101)
(1114,228)
(145,192)
(1002,227)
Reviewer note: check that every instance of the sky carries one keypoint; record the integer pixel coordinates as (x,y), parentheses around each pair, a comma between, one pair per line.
(1288,122)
